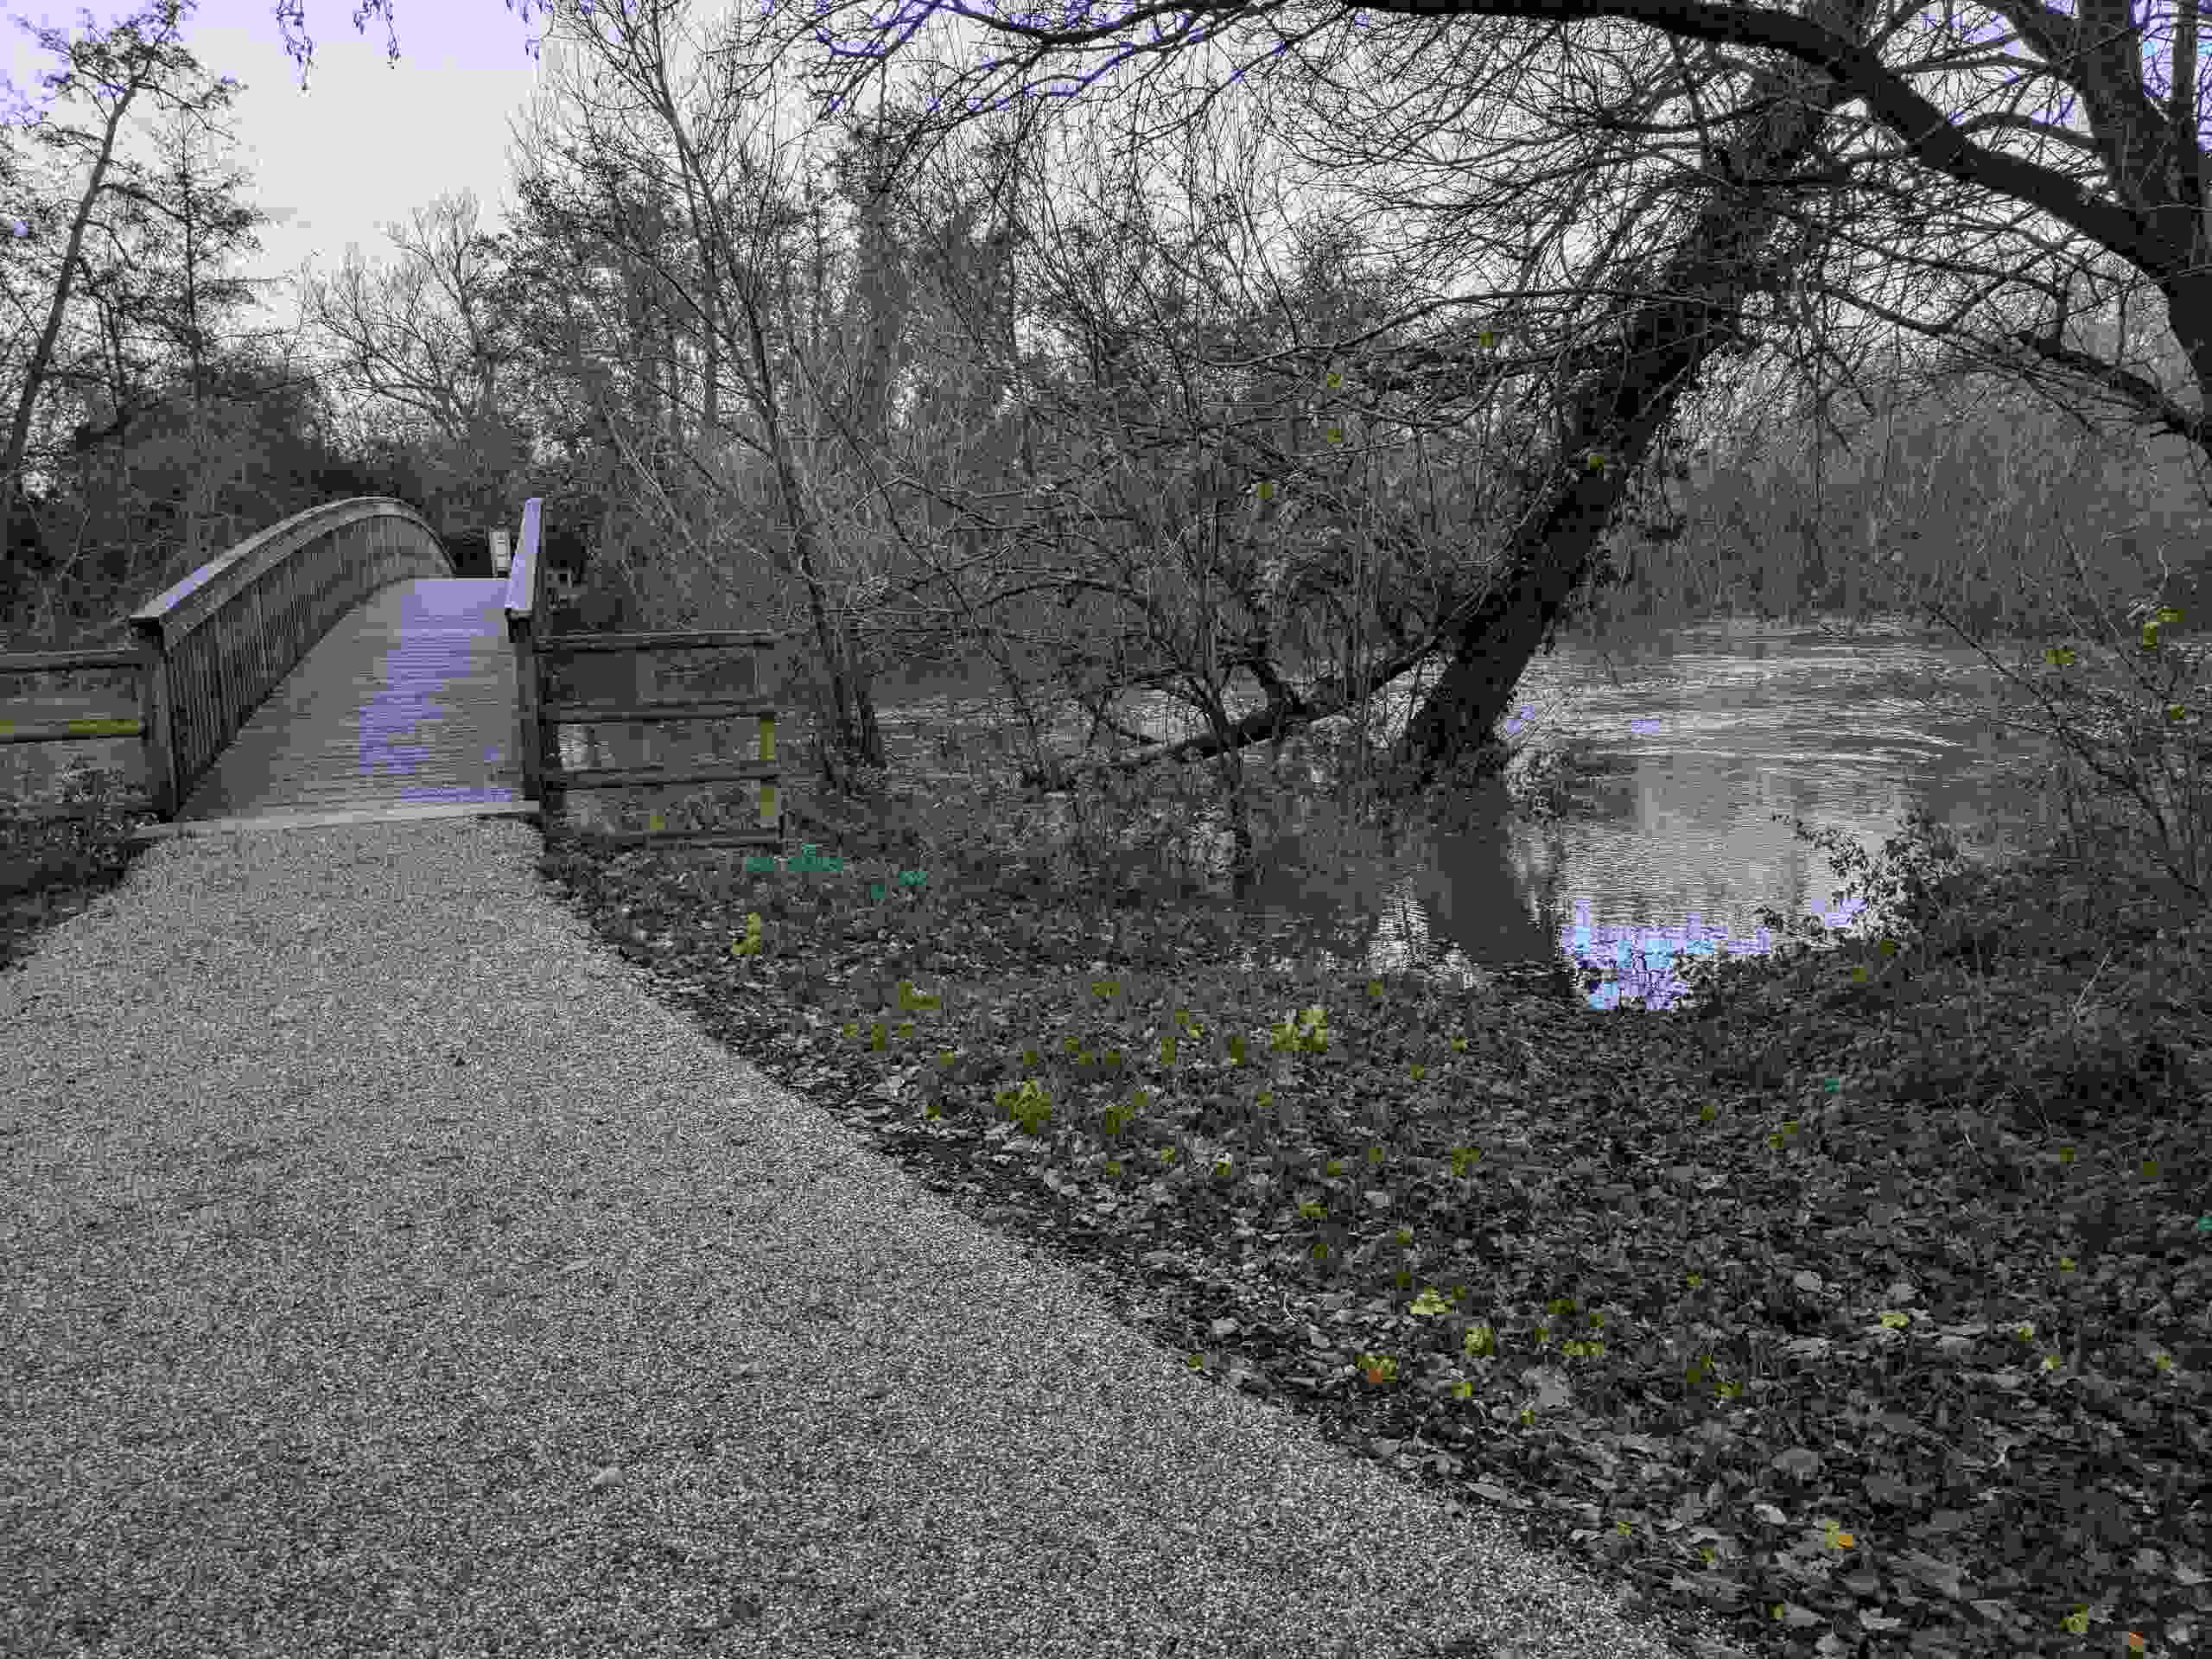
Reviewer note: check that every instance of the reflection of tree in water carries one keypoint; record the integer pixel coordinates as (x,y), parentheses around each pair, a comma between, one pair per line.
(1402,931)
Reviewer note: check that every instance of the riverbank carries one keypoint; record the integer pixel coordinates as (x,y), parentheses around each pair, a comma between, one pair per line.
(1878,1270)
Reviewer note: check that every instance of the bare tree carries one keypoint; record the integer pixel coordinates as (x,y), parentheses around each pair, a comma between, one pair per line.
(139,57)
(1607,387)
(1144,525)
(1155,480)
(1955,492)
(1618,396)
(813,379)
(434,337)
(163,276)
(2080,135)
(2130,186)
(1680,275)
(607,263)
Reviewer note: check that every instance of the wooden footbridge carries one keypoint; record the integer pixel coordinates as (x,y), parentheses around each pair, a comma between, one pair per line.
(334,670)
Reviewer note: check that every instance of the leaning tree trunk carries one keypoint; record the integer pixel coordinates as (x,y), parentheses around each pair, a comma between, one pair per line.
(1614,411)
(1622,398)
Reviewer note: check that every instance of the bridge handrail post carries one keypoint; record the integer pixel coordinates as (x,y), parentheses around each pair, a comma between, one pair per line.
(156,717)
(524,583)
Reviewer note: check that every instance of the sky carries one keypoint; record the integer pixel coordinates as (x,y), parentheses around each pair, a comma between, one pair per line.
(368,141)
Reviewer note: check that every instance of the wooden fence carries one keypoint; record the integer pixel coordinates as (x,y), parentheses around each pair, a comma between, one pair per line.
(540,717)
(15,728)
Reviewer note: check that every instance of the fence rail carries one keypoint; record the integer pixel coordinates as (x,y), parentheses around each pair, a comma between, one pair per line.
(541,716)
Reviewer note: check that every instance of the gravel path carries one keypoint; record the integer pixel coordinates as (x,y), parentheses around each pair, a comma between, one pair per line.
(387,1272)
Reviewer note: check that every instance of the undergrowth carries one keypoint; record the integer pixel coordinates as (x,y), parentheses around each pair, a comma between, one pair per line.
(1858,1307)
(58,854)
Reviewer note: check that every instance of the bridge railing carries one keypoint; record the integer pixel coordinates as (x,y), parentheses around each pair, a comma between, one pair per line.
(210,650)
(540,715)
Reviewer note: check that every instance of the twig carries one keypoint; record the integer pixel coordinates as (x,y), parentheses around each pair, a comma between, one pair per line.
(2084,997)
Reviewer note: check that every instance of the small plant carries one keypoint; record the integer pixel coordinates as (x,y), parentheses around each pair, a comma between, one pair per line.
(1308,1032)
(2135,768)
(1918,885)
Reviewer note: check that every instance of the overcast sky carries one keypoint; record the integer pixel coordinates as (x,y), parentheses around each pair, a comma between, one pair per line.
(367,143)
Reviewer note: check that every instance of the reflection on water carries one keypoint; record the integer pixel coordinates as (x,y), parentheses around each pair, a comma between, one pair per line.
(1705,734)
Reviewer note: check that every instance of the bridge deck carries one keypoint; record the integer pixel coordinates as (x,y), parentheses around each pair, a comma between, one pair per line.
(405,708)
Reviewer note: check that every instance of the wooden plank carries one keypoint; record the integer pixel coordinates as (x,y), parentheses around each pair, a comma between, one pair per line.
(34,771)
(68,731)
(37,662)
(573,644)
(78,714)
(620,777)
(409,700)
(576,712)
(537,659)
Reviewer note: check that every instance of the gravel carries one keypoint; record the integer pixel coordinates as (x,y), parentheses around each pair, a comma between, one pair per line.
(388,1272)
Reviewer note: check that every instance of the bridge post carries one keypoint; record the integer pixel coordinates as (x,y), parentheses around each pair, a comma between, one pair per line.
(526,711)
(156,718)
(525,583)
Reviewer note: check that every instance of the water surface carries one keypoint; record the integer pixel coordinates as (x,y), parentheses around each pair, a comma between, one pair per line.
(1704,734)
